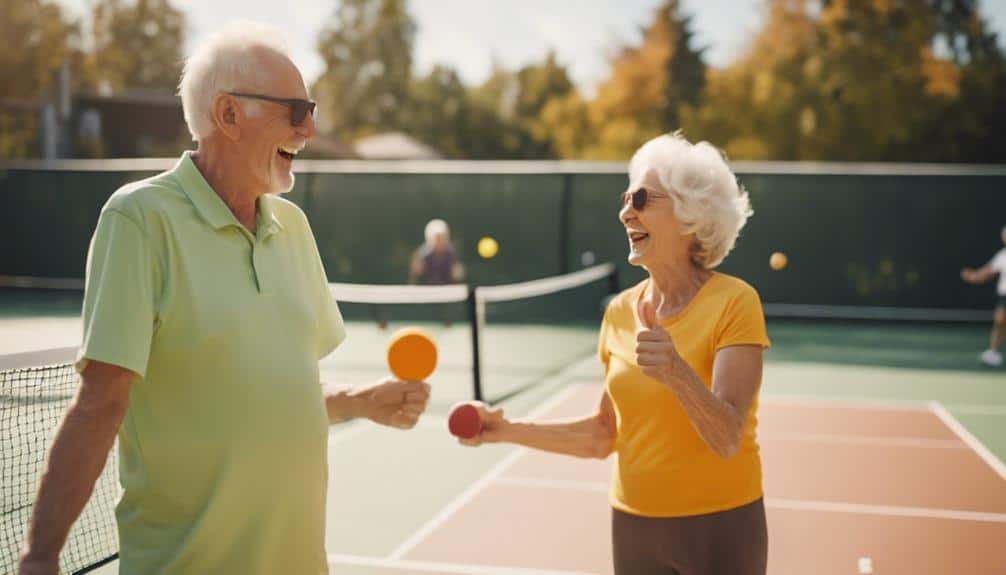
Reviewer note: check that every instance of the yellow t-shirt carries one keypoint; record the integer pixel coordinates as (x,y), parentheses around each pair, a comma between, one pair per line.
(665,469)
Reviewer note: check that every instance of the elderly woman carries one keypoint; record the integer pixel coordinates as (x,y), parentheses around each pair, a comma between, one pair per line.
(682,353)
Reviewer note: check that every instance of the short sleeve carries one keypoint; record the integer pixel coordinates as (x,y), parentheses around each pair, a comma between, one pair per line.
(998,262)
(743,322)
(603,349)
(331,328)
(122,287)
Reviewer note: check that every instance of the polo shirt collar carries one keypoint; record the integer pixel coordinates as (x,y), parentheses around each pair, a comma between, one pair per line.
(268,224)
(211,206)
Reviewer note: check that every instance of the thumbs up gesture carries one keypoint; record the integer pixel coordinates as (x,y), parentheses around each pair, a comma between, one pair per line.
(655,352)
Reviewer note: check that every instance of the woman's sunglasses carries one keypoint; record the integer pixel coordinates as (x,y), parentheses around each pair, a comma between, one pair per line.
(637,197)
(299,109)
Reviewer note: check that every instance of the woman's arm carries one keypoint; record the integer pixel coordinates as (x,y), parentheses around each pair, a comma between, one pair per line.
(589,437)
(717,414)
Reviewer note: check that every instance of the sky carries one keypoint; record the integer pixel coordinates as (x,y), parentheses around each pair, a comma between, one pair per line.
(470,35)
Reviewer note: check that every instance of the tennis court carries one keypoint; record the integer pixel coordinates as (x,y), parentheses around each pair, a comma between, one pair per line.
(882,445)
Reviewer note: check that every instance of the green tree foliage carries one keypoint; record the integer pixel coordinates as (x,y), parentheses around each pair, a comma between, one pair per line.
(971,123)
(137,46)
(494,115)
(38,39)
(537,85)
(367,49)
(862,80)
(649,87)
(505,115)
(566,120)
(441,112)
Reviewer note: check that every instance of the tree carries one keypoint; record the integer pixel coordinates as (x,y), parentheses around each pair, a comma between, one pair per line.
(649,86)
(367,50)
(971,123)
(137,45)
(862,80)
(440,112)
(537,85)
(39,40)
(494,115)
(566,119)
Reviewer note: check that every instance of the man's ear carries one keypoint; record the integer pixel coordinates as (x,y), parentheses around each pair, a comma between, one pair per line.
(227,116)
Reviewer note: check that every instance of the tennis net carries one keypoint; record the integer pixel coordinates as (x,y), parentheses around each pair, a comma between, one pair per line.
(494,341)
(35,390)
(528,331)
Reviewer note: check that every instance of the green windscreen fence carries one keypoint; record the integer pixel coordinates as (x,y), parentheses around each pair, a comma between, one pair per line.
(856,236)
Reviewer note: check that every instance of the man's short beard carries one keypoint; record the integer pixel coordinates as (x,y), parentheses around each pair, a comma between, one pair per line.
(279,191)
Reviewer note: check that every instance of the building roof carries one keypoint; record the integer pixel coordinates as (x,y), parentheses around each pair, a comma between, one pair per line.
(394,146)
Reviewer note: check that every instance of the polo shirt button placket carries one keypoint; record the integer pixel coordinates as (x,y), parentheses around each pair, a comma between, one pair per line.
(257,268)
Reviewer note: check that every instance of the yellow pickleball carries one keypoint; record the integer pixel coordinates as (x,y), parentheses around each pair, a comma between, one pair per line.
(778,261)
(488,247)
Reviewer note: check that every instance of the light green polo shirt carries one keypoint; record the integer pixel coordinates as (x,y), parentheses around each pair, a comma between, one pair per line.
(223,451)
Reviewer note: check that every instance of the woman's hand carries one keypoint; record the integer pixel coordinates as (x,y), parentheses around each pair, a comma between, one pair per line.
(493,423)
(656,354)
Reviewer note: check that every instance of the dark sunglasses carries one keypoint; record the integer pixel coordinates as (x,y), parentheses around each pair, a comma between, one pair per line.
(299,109)
(637,197)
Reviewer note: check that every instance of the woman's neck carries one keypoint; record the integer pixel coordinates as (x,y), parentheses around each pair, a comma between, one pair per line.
(672,287)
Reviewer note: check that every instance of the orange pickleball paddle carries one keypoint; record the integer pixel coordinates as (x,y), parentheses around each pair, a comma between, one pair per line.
(412,354)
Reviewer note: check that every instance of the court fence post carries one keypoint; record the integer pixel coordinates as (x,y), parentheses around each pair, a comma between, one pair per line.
(565,206)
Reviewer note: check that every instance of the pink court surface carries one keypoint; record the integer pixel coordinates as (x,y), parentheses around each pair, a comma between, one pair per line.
(851,488)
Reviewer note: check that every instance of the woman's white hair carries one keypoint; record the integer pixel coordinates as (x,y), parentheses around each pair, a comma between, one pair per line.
(707,198)
(227,60)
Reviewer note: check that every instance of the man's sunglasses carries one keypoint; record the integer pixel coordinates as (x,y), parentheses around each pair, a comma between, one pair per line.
(299,109)
(637,197)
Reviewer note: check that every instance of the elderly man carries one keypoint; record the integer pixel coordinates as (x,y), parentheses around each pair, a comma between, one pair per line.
(206,311)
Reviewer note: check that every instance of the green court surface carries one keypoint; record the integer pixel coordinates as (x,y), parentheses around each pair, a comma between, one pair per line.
(387,485)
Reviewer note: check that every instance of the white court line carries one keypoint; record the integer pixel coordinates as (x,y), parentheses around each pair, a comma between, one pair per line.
(888,510)
(865,403)
(565,484)
(432,567)
(950,421)
(875,403)
(977,409)
(837,439)
(777,503)
(479,485)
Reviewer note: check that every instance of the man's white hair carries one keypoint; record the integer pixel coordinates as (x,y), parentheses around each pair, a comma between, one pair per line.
(227,60)
(707,199)
(434,228)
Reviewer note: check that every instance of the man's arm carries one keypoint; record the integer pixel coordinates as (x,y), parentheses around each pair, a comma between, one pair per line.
(389,402)
(75,461)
